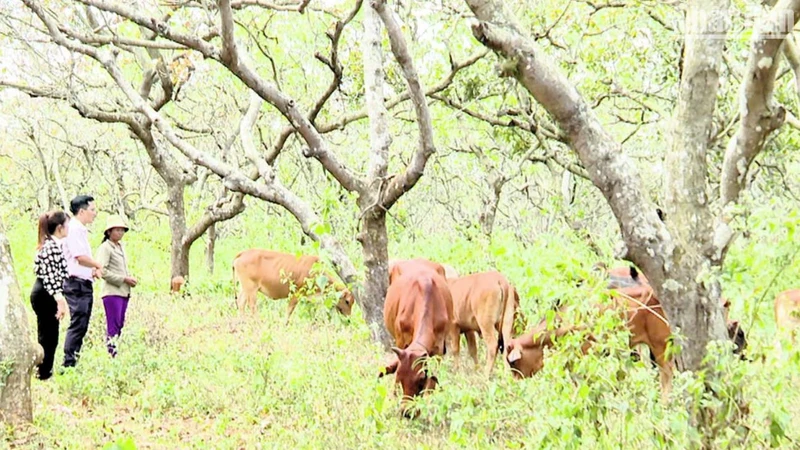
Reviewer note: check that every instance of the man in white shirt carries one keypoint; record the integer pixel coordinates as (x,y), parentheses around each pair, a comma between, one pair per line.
(82,268)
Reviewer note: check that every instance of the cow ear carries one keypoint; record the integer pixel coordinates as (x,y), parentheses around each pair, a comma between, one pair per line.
(394,272)
(389,369)
(514,355)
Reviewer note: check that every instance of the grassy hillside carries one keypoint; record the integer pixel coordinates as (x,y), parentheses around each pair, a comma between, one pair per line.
(192,374)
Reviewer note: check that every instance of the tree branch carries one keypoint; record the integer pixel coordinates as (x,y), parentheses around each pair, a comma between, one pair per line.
(609,169)
(157,26)
(444,84)
(374,84)
(223,209)
(287,106)
(413,171)
(792,53)
(760,115)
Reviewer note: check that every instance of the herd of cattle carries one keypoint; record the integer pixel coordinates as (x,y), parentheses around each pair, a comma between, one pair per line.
(429,306)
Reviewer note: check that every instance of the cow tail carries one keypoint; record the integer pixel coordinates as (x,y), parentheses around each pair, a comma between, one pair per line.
(504,298)
(509,311)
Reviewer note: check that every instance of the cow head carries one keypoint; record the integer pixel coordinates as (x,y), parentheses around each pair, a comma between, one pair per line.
(409,368)
(524,361)
(346,301)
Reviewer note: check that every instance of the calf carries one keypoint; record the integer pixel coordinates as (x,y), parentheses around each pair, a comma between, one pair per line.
(629,276)
(418,313)
(644,318)
(272,272)
(484,303)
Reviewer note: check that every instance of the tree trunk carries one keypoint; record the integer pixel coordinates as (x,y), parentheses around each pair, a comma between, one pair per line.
(179,251)
(375,247)
(487,216)
(373,239)
(693,307)
(18,353)
(212,240)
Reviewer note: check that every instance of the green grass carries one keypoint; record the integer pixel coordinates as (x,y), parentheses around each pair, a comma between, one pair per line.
(191,373)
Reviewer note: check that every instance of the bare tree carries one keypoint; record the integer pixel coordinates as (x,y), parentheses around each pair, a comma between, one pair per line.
(376,191)
(176,174)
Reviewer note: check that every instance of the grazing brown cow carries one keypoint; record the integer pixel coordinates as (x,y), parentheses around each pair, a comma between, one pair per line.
(272,272)
(484,303)
(644,318)
(176,284)
(629,276)
(418,313)
(787,312)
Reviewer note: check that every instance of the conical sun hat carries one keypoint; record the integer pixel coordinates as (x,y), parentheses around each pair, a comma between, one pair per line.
(116,222)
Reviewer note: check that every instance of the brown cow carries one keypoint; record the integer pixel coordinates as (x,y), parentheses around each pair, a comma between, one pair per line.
(418,313)
(787,312)
(629,276)
(271,273)
(484,303)
(176,284)
(644,317)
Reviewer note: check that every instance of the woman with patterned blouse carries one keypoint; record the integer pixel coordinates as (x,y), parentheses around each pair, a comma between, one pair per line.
(47,296)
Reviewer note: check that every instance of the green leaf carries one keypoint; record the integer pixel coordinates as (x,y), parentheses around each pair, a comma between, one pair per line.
(583,391)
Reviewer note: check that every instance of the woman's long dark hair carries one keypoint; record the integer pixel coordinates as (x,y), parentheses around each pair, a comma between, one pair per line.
(106,235)
(48,222)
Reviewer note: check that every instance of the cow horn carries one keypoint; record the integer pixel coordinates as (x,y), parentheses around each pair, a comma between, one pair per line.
(397,351)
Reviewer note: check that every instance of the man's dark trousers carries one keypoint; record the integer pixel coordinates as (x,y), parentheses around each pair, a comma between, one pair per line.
(79,295)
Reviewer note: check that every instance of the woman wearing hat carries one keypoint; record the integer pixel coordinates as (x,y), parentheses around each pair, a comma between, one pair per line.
(117,280)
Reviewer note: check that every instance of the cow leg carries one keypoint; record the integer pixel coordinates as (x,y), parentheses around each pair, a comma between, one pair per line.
(247,296)
(491,337)
(241,299)
(453,341)
(452,346)
(293,299)
(664,369)
(472,345)
(252,302)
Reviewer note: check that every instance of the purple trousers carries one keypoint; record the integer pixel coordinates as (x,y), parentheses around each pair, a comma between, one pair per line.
(115,319)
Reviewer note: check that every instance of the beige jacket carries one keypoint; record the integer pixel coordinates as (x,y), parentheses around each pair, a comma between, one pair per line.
(115,269)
